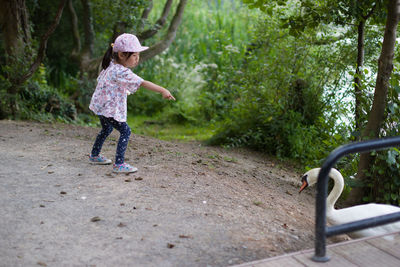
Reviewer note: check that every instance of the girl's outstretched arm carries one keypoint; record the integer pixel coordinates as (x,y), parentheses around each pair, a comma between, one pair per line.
(156,88)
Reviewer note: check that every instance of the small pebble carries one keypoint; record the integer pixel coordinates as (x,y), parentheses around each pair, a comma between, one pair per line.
(95,219)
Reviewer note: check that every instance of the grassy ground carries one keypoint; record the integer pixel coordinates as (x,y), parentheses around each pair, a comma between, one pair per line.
(150,126)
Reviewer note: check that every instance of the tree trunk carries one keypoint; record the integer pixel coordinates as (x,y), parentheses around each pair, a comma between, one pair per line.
(360,63)
(376,115)
(87,49)
(75,30)
(83,55)
(14,24)
(15,29)
(357,78)
(171,34)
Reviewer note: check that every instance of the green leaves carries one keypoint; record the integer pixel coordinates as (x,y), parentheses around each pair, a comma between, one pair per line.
(265,6)
(384,177)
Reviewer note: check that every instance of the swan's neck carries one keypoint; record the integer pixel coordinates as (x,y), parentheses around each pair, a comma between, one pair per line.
(336,191)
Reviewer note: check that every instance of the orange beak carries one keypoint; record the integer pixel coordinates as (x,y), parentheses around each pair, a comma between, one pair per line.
(303,186)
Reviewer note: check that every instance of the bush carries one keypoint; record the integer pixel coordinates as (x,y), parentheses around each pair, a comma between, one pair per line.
(36,100)
(275,102)
(41,102)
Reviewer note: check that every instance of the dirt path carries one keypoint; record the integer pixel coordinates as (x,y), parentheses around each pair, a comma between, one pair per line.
(188,205)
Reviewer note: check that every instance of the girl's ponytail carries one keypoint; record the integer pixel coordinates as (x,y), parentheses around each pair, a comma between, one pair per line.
(107,58)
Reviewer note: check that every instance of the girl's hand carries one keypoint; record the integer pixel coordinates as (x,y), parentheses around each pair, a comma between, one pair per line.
(167,95)
(156,88)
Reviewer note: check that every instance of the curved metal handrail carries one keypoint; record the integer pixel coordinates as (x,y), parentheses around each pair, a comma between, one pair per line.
(321,230)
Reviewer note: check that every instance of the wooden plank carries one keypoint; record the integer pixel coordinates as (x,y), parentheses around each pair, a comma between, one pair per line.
(282,261)
(285,259)
(335,260)
(368,251)
(365,254)
(390,246)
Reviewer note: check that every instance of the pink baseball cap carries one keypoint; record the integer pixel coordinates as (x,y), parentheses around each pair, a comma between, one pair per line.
(128,43)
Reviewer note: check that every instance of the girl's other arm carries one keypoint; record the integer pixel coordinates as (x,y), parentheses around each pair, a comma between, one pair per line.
(156,88)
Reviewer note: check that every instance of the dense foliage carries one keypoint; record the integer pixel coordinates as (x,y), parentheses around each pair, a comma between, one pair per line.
(279,104)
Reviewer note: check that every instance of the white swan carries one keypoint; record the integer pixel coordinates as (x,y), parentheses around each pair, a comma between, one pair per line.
(351,214)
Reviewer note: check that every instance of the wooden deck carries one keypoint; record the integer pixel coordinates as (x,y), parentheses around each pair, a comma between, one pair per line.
(365,252)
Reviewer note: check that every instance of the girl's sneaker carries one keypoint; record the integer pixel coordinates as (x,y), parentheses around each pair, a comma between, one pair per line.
(123,168)
(99,160)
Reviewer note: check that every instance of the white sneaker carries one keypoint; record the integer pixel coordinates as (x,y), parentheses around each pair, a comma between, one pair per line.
(124,168)
(101,160)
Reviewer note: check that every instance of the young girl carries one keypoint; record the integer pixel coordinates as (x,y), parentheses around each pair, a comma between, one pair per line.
(114,83)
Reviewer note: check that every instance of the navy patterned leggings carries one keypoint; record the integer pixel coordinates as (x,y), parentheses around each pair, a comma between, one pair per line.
(107,126)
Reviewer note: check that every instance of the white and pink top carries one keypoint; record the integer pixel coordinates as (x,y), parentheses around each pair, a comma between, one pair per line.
(113,86)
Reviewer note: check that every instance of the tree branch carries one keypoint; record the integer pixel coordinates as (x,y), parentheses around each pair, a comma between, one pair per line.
(330,40)
(145,15)
(366,17)
(87,49)
(171,34)
(159,23)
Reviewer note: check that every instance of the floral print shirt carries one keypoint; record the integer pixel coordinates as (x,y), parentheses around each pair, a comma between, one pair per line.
(114,84)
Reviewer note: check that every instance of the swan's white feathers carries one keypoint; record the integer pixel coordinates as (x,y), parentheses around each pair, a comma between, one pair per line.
(351,214)
(361,212)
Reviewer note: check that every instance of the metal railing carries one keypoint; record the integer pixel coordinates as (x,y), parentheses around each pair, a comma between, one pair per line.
(321,230)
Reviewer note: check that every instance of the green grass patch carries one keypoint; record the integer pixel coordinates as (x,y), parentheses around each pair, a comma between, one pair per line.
(151,126)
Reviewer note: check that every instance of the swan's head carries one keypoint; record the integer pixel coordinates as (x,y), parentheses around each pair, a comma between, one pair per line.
(309,178)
